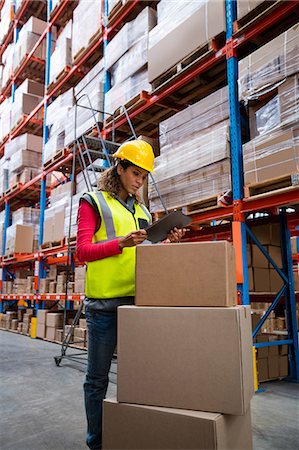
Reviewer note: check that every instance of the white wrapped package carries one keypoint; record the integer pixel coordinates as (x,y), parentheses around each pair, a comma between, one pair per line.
(7,58)
(129,34)
(92,80)
(88,13)
(192,186)
(62,55)
(270,64)
(246,6)
(58,109)
(5,123)
(188,122)
(4,175)
(25,141)
(86,118)
(6,18)
(24,104)
(131,62)
(75,207)
(53,145)
(24,216)
(200,150)
(123,92)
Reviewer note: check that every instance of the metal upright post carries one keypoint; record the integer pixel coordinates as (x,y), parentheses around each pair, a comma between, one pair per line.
(290,300)
(239,229)
(107,75)
(43,195)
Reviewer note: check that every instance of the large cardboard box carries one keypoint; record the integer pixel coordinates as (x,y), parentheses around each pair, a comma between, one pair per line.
(207,278)
(261,279)
(42,316)
(192,358)
(41,330)
(129,427)
(54,320)
(22,239)
(50,333)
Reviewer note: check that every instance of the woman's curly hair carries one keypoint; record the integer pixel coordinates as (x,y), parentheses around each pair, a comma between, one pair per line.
(109,180)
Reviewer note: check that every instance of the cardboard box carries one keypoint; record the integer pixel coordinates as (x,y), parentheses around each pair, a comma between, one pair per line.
(42,316)
(276,281)
(22,241)
(262,368)
(52,287)
(273,364)
(283,366)
(250,279)
(196,358)
(129,427)
(82,323)
(44,285)
(294,245)
(261,280)
(59,335)
(50,333)
(54,320)
(80,273)
(79,286)
(208,277)
(267,234)
(41,330)
(258,259)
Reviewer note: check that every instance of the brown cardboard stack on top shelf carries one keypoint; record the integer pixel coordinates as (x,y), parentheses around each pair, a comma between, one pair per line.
(197,376)
(194,161)
(127,59)
(273,152)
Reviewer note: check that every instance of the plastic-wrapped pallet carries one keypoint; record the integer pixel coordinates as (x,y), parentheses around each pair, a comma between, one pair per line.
(129,34)
(270,156)
(182,28)
(92,80)
(56,121)
(89,14)
(25,141)
(112,4)
(7,59)
(6,17)
(55,214)
(28,36)
(246,6)
(75,207)
(188,122)
(27,216)
(27,96)
(281,111)
(25,152)
(5,115)
(194,145)
(270,64)
(62,55)
(4,175)
(123,92)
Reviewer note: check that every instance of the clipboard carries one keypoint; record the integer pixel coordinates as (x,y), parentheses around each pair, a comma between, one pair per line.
(159,230)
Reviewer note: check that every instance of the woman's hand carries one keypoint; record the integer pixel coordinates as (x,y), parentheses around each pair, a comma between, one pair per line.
(175,235)
(132,239)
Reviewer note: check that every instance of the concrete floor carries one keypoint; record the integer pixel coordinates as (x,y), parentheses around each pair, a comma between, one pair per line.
(41,405)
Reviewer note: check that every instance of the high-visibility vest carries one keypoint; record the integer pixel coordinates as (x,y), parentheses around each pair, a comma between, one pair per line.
(114,276)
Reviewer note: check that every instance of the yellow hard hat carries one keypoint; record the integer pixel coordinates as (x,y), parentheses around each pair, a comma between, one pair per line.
(138,152)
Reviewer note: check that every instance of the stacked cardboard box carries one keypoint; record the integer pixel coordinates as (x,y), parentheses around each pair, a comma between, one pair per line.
(182,28)
(57,112)
(127,57)
(198,354)
(19,239)
(54,321)
(194,161)
(80,273)
(41,323)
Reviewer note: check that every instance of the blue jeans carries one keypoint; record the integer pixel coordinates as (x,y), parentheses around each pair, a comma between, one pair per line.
(102,336)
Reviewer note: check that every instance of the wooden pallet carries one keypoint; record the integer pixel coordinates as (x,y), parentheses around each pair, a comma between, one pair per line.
(16,187)
(60,154)
(52,245)
(58,79)
(132,104)
(273,184)
(115,10)
(72,240)
(202,205)
(12,256)
(83,50)
(201,53)
(261,11)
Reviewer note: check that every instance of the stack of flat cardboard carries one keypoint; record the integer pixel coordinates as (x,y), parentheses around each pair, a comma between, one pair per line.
(185,376)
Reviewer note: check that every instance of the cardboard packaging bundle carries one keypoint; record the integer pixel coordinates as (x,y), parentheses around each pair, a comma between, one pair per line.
(19,239)
(270,64)
(89,13)
(54,321)
(182,28)
(185,366)
(27,97)
(127,60)
(194,161)
(80,273)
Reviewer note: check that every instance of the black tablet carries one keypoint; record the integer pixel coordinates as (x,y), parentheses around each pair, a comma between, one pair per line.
(158,231)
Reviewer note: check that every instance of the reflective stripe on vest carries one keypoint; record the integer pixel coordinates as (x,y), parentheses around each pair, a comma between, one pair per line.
(114,276)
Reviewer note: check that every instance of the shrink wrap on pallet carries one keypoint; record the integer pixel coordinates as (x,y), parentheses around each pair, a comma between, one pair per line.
(7,59)
(87,13)
(26,215)
(190,121)
(62,55)
(182,28)
(25,141)
(129,34)
(5,118)
(6,17)
(75,207)
(92,80)
(23,105)
(270,64)
(132,61)
(122,93)
(4,176)
(86,118)
(271,156)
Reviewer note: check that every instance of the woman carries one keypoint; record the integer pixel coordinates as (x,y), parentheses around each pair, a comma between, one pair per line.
(111,223)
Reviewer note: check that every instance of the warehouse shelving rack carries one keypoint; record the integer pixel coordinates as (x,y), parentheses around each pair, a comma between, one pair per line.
(239,43)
